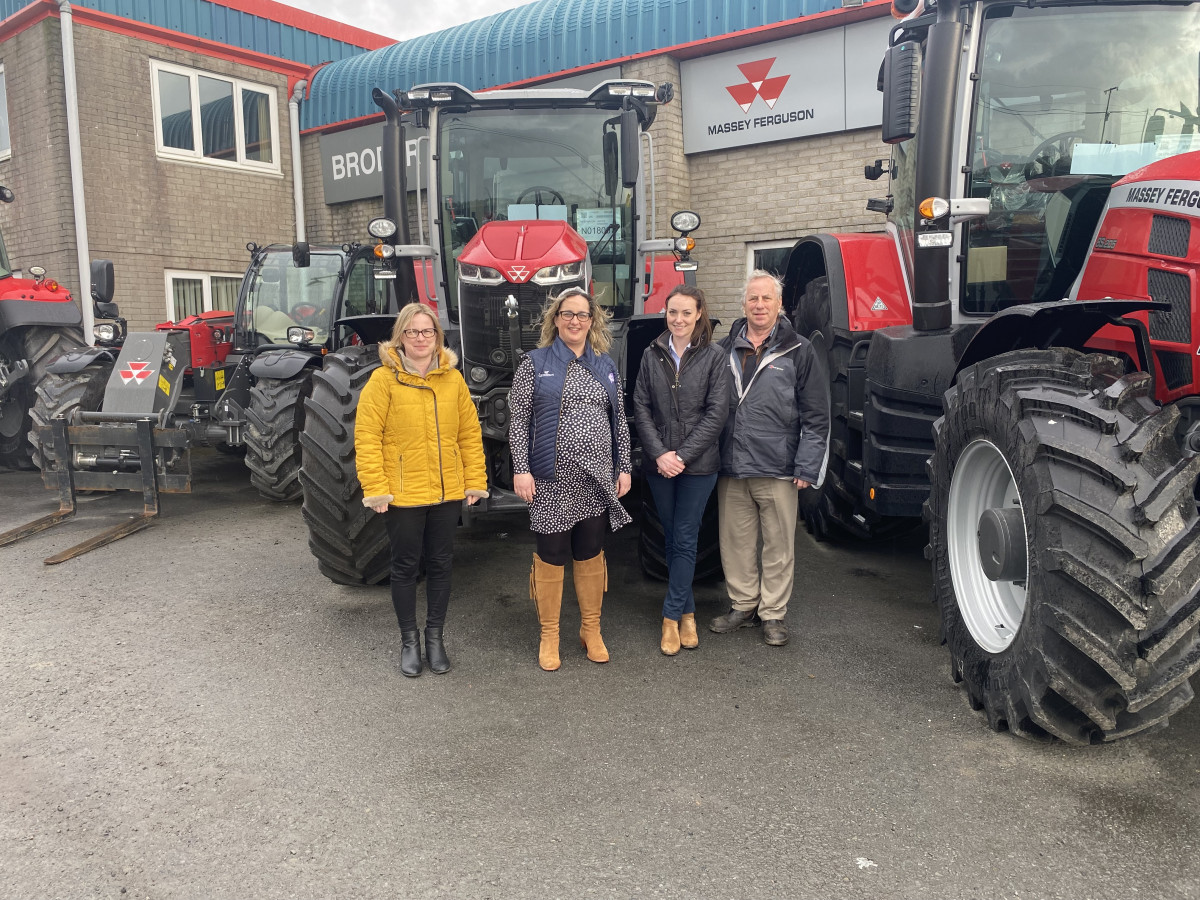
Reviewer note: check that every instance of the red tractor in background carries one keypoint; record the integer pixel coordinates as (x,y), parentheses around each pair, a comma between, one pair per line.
(1016,357)
(39,319)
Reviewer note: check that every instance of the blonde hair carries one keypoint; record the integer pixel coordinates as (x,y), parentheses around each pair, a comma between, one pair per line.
(404,320)
(598,334)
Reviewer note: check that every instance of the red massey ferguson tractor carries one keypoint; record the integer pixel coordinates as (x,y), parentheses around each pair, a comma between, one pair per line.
(38,320)
(529,192)
(1016,355)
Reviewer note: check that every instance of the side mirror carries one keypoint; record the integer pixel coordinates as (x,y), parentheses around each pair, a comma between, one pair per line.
(102,287)
(301,258)
(1154,129)
(611,152)
(631,147)
(901,91)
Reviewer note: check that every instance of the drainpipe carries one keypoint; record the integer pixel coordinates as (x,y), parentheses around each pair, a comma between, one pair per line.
(297,175)
(76,154)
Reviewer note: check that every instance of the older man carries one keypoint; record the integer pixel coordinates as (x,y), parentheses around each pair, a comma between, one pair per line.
(774,444)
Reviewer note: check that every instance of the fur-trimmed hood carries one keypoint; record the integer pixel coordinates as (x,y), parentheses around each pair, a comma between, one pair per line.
(393,357)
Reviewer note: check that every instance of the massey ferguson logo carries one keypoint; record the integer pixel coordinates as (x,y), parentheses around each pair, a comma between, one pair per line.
(135,371)
(757,84)
(519,274)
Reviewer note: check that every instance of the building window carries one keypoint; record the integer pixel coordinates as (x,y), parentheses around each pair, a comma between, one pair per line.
(191,293)
(5,139)
(770,256)
(213,119)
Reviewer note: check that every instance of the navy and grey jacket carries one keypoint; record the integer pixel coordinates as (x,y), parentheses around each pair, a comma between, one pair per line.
(550,372)
(682,410)
(778,423)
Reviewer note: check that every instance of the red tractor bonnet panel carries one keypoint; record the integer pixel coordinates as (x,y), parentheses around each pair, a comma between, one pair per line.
(518,249)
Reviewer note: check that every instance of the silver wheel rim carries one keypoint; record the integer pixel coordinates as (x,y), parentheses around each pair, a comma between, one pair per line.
(991,610)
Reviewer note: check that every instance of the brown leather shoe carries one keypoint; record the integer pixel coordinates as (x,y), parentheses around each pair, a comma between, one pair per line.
(688,639)
(669,644)
(733,620)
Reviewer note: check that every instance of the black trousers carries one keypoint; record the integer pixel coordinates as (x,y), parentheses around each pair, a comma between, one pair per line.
(411,530)
(585,540)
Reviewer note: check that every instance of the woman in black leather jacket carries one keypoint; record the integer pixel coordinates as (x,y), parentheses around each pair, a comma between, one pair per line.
(681,403)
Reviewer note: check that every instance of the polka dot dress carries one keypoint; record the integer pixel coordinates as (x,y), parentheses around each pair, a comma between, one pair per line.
(585,484)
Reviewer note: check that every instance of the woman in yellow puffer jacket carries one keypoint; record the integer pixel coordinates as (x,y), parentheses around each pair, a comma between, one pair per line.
(419,453)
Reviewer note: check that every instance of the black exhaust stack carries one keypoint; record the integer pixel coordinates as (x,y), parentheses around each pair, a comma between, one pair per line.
(395,192)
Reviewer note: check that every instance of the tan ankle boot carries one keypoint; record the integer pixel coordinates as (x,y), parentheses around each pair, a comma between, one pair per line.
(545,589)
(688,639)
(591,580)
(669,644)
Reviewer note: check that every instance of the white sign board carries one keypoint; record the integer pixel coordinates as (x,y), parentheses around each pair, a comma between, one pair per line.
(811,84)
(596,224)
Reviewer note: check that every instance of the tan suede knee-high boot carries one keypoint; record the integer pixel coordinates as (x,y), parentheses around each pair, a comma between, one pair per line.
(545,589)
(591,580)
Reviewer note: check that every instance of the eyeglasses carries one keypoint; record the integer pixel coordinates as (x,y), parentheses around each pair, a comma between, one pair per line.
(420,332)
(570,314)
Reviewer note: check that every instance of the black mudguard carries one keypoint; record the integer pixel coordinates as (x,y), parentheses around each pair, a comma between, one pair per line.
(283,364)
(1068,323)
(78,360)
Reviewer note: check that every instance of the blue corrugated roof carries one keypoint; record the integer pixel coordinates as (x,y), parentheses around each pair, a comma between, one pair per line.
(215,22)
(538,39)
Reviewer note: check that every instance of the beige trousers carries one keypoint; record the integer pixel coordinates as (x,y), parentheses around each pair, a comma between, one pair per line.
(753,508)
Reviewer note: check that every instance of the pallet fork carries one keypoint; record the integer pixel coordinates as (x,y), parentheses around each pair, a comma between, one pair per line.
(128,434)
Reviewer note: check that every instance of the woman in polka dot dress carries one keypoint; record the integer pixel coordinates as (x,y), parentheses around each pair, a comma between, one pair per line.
(570,453)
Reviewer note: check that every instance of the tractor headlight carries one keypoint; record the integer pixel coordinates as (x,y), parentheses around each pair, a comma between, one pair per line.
(106,332)
(381,228)
(479,274)
(559,274)
(685,221)
(478,374)
(385,251)
(297,334)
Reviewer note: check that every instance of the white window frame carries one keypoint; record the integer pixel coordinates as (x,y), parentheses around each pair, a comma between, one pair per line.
(170,275)
(5,152)
(196,155)
(764,245)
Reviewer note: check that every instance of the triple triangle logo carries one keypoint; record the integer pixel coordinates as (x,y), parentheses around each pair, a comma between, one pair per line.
(757,84)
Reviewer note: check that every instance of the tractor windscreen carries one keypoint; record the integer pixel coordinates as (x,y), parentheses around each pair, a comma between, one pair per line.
(280,294)
(1068,100)
(548,164)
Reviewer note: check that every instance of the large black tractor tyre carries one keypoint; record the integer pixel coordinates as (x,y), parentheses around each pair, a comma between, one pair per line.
(61,395)
(38,345)
(831,511)
(1065,546)
(652,547)
(274,422)
(349,541)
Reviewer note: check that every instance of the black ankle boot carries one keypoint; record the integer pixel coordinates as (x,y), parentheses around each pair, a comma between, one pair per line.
(435,651)
(410,653)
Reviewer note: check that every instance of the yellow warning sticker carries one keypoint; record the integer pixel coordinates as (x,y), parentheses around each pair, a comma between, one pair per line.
(219,380)
(164,385)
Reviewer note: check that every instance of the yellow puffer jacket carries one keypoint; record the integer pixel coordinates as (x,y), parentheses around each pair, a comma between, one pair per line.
(417,440)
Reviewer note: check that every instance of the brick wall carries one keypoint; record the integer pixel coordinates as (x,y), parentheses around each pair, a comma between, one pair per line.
(39,226)
(146,214)
(149,214)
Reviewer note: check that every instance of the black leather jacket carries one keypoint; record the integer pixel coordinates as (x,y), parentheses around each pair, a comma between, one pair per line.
(682,411)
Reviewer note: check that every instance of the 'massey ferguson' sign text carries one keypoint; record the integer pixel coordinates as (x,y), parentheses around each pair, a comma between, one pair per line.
(811,84)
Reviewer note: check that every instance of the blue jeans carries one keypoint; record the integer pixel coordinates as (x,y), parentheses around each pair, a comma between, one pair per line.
(680,502)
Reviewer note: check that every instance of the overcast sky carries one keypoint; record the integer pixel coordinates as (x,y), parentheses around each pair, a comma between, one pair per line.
(403,19)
